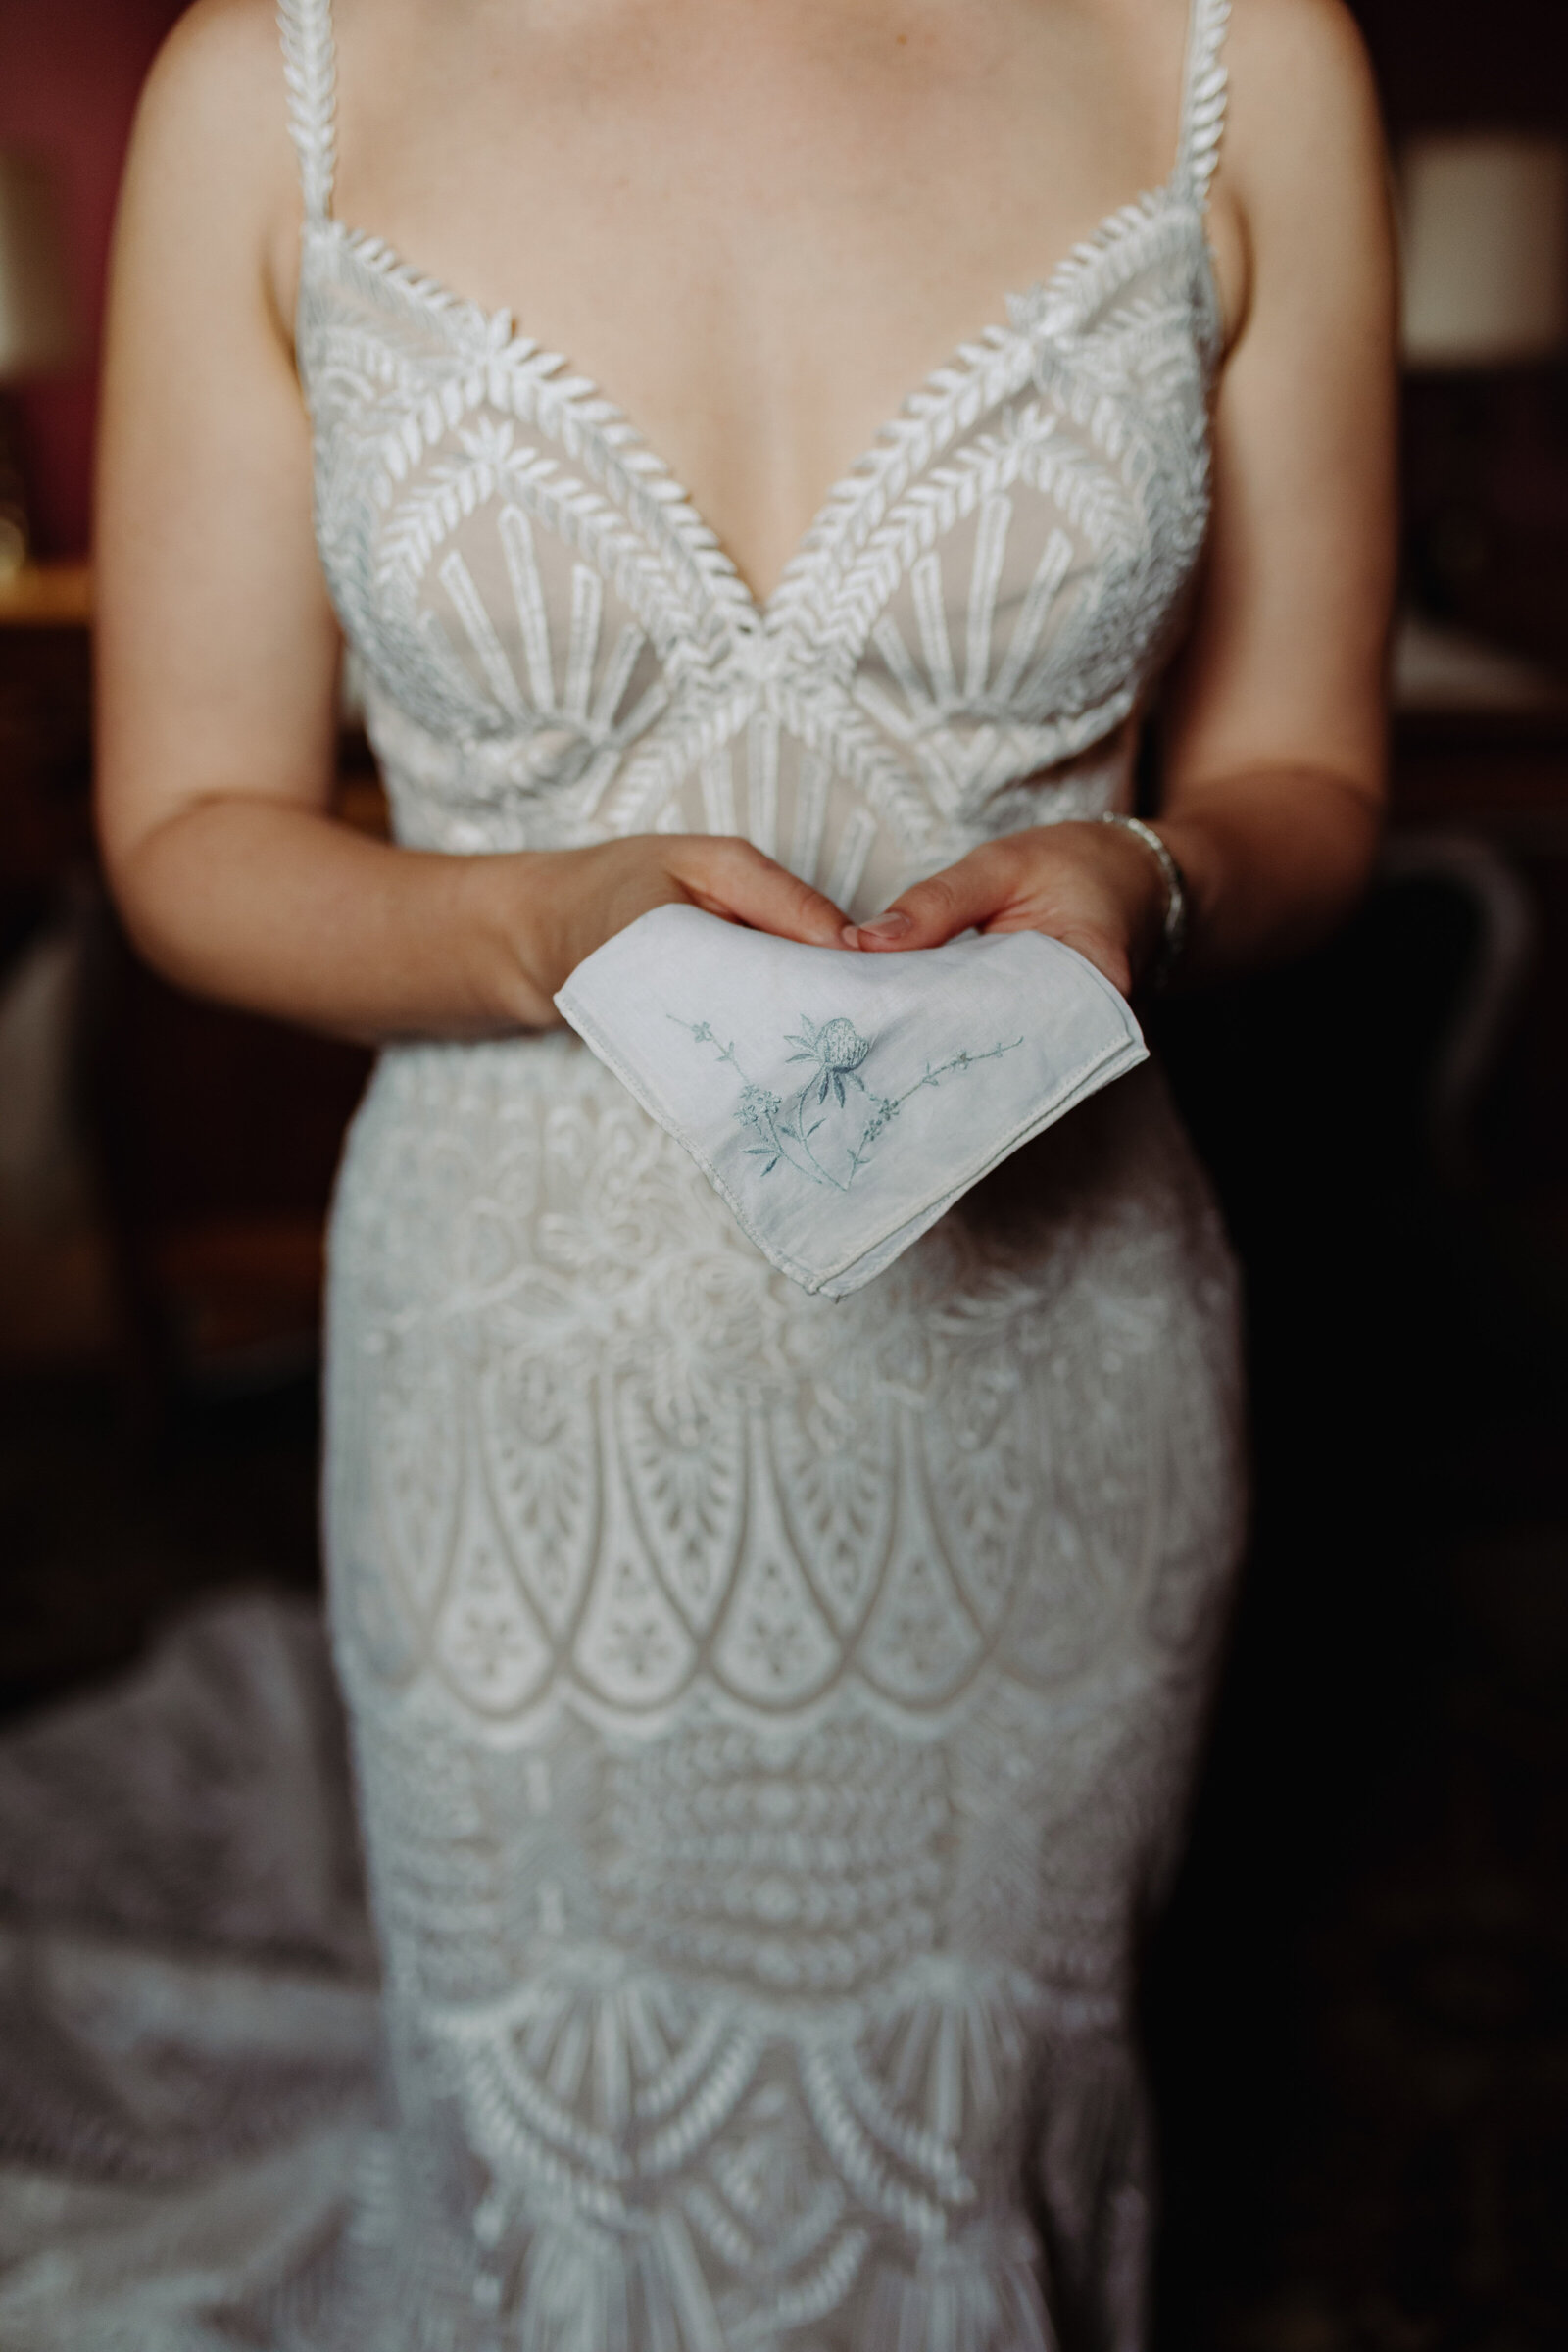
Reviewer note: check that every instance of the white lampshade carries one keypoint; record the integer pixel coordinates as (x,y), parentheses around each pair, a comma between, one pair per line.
(1484,221)
(40,326)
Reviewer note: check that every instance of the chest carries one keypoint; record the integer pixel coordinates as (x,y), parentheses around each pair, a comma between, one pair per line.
(564,639)
(757,232)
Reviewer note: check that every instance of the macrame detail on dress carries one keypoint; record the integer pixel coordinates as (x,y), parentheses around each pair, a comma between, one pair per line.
(771,1717)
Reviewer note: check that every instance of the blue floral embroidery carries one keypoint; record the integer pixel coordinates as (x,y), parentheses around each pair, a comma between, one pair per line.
(838,1050)
(837,1054)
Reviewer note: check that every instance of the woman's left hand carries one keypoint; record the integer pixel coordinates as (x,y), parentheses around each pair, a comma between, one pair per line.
(1096,888)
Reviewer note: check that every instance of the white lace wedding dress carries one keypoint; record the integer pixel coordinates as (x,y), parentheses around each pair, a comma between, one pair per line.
(772,1718)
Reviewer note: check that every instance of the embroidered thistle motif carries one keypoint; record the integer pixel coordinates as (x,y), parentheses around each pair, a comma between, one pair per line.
(837,1052)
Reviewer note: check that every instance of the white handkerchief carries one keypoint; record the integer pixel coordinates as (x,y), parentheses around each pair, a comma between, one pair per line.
(839,1102)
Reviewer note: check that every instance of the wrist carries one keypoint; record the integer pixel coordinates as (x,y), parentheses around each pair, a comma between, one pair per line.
(1156,898)
(1174,904)
(1200,861)
(497,920)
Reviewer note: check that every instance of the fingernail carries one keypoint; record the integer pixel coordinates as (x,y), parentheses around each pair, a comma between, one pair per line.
(886,928)
(849,937)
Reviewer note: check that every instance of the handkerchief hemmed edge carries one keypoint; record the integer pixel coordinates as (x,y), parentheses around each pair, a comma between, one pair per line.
(865,1264)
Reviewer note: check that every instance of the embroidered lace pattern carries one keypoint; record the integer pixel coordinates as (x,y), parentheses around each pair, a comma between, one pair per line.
(771,1717)
(555,650)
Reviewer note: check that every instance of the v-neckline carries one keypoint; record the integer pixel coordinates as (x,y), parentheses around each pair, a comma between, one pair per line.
(752,613)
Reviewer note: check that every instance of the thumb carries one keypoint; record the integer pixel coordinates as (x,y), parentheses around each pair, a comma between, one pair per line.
(931,911)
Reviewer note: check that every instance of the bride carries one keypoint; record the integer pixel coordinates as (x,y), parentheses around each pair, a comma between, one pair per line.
(771,1717)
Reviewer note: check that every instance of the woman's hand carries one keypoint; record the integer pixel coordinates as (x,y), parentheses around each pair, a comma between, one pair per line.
(1096,888)
(554,908)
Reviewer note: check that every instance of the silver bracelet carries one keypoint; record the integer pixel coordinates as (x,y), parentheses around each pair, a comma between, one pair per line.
(1173,937)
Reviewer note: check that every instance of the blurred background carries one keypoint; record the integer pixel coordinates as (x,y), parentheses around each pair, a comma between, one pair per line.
(1357,2006)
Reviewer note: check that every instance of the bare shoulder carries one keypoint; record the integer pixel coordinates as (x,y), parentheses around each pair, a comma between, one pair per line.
(1296,31)
(1302,91)
(211,128)
(1302,195)
(221,67)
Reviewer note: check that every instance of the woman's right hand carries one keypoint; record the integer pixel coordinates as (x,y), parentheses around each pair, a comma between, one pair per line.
(548,909)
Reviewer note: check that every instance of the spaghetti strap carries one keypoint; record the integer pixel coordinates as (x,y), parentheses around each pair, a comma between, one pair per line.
(1203,99)
(310,67)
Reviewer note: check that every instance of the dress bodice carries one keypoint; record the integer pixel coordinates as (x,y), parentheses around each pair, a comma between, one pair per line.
(554,649)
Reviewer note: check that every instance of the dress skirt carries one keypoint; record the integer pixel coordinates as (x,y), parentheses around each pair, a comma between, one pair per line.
(773,1719)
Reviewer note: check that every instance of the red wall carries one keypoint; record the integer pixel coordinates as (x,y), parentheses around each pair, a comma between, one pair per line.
(70,70)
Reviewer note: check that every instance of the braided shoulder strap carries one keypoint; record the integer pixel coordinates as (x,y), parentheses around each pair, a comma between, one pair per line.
(309,69)
(1203,98)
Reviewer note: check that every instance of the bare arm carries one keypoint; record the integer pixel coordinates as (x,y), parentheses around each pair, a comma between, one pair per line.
(1274,737)
(218,651)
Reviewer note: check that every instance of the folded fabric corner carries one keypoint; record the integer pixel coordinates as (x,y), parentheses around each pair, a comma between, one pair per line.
(840,1103)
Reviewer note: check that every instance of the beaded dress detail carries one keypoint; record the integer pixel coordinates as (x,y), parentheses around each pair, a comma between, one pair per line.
(771,1717)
